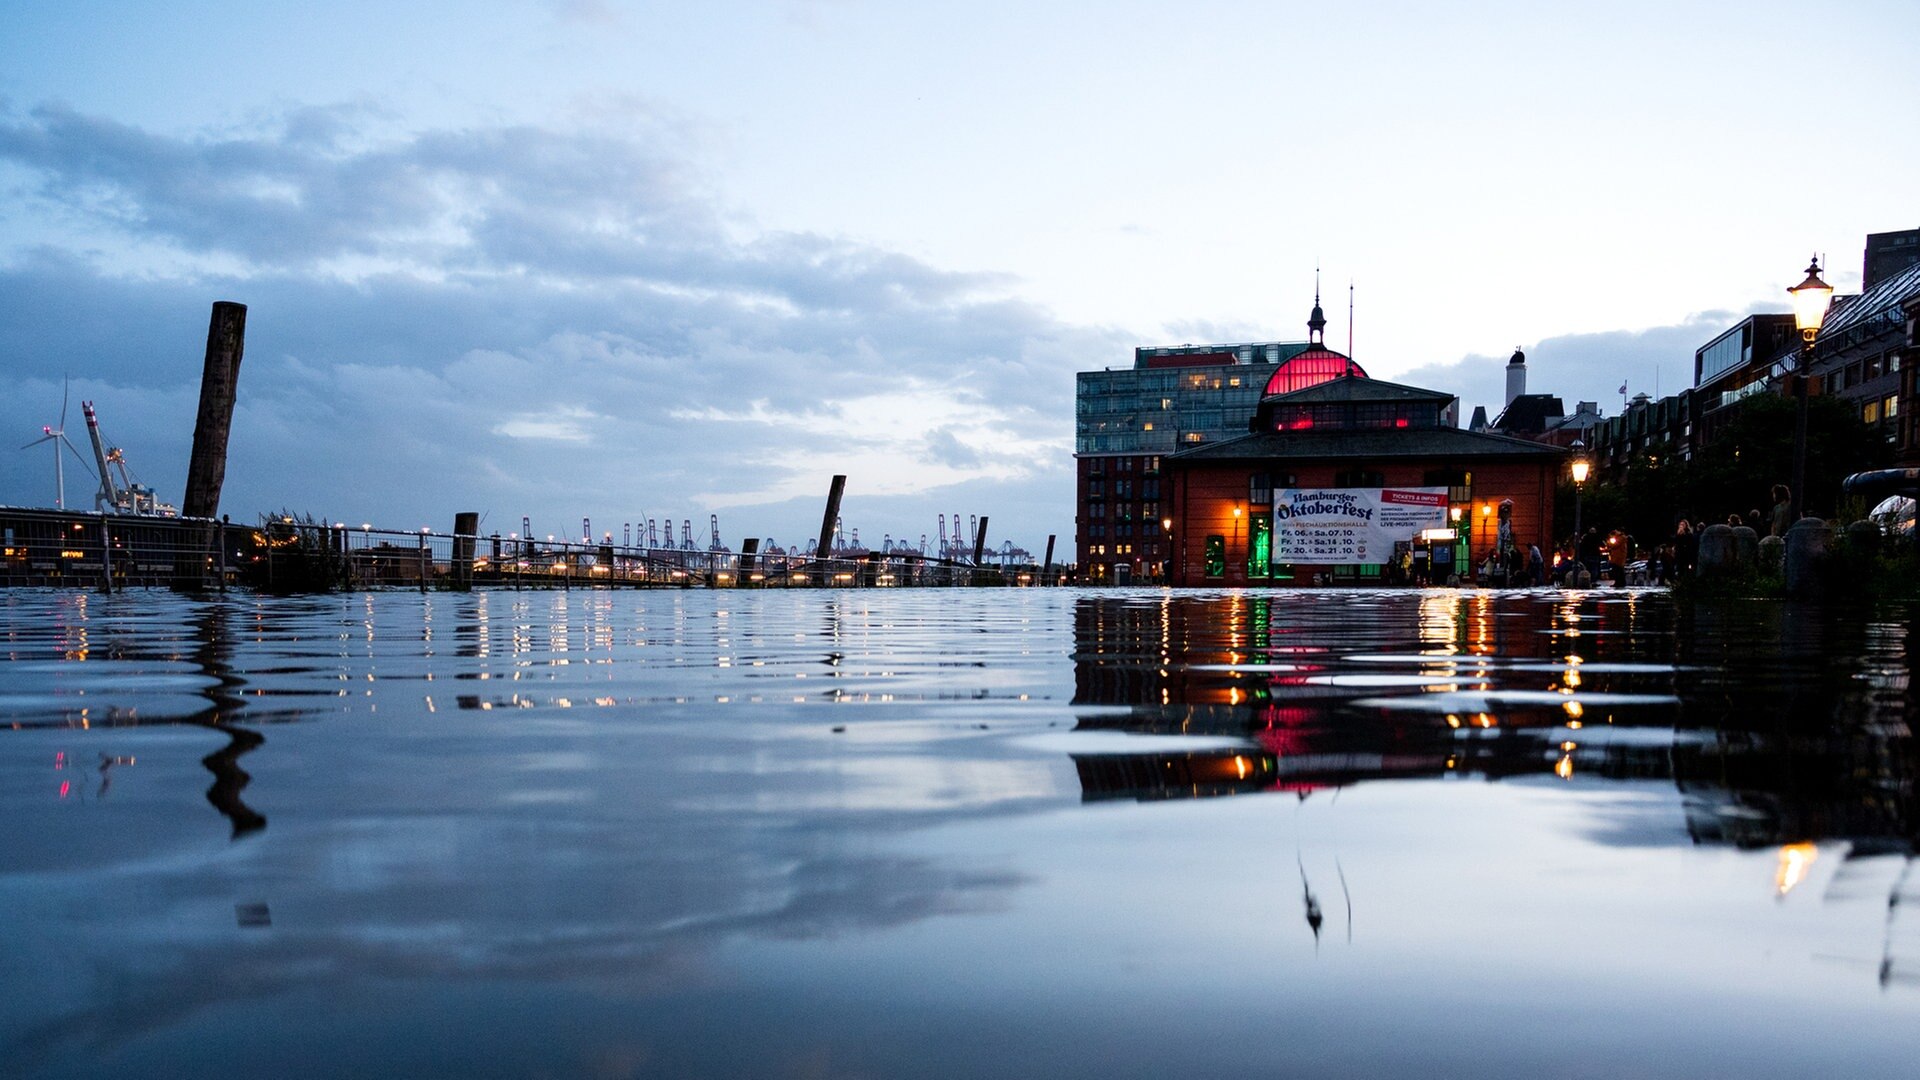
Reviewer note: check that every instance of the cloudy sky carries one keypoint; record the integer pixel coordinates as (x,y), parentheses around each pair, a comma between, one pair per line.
(631,260)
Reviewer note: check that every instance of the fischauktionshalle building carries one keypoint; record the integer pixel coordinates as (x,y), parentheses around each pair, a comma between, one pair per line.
(1353,480)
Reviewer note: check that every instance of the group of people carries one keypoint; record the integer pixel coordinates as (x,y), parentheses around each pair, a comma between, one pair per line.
(1677,554)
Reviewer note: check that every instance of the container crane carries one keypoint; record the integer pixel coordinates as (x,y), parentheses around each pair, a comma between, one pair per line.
(129,496)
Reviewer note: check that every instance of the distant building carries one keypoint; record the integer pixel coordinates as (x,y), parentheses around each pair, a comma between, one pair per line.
(1862,353)
(1173,397)
(1888,253)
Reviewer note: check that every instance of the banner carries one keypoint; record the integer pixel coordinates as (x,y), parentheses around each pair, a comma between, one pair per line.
(1320,526)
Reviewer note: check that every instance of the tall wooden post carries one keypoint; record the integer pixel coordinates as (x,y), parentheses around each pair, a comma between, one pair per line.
(980,542)
(466,526)
(1046,570)
(207,468)
(839,488)
(219,383)
(106,555)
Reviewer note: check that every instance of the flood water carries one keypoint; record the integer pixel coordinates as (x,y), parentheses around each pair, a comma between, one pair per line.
(956,833)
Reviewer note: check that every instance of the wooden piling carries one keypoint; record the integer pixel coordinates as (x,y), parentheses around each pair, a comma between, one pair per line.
(833,513)
(466,527)
(106,556)
(980,541)
(1046,570)
(219,384)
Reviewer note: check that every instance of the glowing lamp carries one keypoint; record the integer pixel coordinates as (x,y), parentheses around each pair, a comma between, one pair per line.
(1810,299)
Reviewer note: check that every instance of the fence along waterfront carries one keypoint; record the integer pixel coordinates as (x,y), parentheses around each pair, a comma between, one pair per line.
(94,550)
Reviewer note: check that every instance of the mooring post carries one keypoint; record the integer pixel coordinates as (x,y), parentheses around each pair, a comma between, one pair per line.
(106,556)
(979,548)
(1046,571)
(466,527)
(207,467)
(749,555)
(825,550)
(424,565)
(220,564)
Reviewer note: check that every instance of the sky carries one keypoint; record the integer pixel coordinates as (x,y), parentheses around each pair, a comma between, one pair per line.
(588,258)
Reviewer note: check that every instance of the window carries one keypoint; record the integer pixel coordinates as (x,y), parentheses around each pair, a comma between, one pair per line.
(1891,406)
(1259,490)
(1216,556)
(1870,412)
(1359,478)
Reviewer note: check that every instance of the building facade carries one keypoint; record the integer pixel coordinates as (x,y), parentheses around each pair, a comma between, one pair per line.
(1249,511)
(1127,421)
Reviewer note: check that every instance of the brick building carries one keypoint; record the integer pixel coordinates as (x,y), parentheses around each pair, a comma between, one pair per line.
(1391,453)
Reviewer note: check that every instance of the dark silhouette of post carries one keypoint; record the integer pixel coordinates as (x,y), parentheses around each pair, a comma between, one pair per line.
(980,541)
(466,527)
(833,514)
(207,468)
(1046,570)
(219,383)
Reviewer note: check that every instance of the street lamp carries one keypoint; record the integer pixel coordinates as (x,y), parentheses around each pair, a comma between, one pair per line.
(1166,559)
(1581,467)
(1810,299)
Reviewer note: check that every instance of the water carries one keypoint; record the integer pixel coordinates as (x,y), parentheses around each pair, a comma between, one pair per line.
(955,833)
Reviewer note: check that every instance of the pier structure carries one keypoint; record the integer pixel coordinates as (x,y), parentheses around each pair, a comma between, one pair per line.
(93,550)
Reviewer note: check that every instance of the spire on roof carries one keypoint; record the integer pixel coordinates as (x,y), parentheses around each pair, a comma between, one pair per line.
(1317,322)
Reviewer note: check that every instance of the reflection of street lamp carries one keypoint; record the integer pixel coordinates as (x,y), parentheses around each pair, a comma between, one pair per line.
(1581,466)
(1810,299)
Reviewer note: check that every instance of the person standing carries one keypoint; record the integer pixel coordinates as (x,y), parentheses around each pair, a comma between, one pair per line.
(1782,510)
(1686,547)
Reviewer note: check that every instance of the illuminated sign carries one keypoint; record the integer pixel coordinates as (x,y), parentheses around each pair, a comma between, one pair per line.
(1352,525)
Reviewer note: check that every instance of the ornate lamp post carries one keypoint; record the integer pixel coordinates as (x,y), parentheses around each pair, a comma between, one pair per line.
(1166,561)
(1580,467)
(1810,299)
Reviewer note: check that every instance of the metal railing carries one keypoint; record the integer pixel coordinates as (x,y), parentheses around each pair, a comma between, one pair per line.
(93,550)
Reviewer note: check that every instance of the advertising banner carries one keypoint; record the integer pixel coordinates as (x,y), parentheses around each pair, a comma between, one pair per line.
(1319,526)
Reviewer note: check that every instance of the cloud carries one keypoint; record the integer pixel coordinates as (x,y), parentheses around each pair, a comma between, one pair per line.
(449,319)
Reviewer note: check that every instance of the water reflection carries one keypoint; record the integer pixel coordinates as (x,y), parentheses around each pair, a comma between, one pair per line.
(1776,724)
(645,823)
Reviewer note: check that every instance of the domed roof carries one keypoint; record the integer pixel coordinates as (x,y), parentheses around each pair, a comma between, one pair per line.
(1316,365)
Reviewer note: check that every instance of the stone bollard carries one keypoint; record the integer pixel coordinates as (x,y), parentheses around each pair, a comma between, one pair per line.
(1746,549)
(1809,550)
(1773,550)
(1863,543)
(1716,554)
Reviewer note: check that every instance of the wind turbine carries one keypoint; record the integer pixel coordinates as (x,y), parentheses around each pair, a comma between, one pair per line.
(58,436)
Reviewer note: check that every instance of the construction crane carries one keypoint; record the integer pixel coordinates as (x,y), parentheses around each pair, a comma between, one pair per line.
(129,496)
(713,532)
(686,534)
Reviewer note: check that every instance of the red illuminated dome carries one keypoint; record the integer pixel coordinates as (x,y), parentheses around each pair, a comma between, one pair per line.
(1311,368)
(1318,363)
